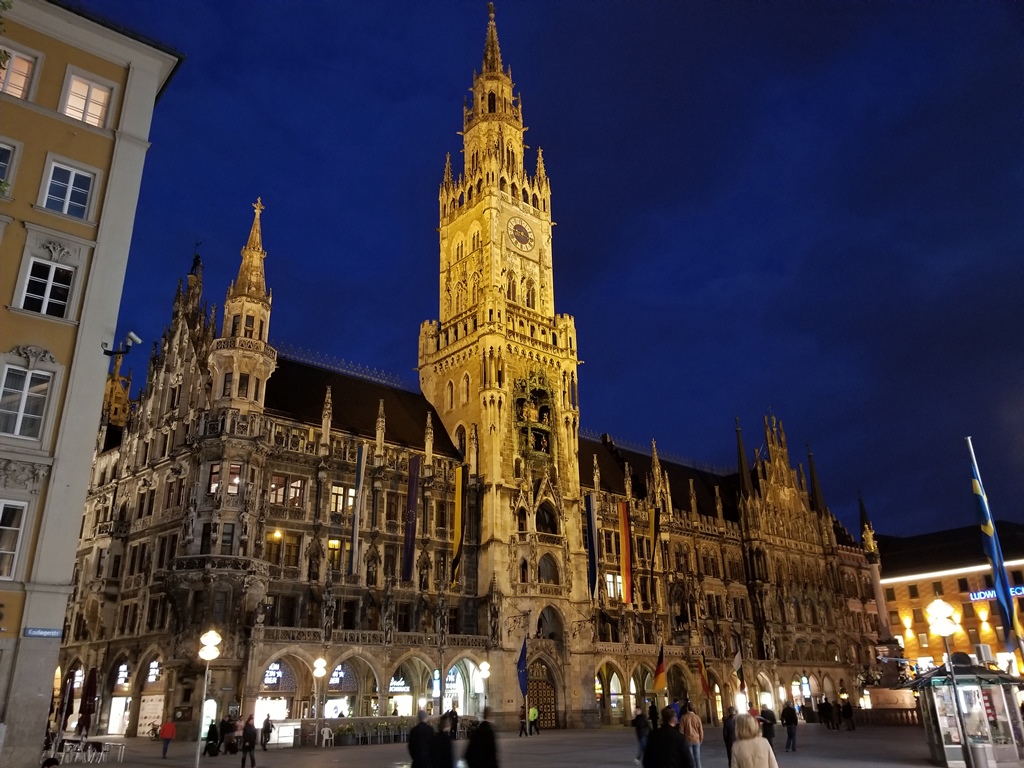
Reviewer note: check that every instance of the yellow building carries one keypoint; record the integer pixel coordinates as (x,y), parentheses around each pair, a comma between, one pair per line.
(949,565)
(76,99)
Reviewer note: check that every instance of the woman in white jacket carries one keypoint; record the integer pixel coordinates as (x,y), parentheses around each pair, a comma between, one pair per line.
(751,750)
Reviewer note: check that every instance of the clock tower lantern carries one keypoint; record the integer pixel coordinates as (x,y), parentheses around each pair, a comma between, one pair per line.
(500,368)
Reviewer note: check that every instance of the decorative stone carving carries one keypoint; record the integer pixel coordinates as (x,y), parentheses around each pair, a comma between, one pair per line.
(23,475)
(34,355)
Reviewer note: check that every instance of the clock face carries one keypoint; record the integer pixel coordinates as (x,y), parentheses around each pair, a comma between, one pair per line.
(520,234)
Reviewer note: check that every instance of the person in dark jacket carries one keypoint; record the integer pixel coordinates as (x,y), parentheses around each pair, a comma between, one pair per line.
(265,731)
(652,715)
(768,721)
(789,720)
(729,733)
(419,741)
(213,739)
(642,726)
(482,750)
(848,716)
(249,741)
(226,727)
(522,721)
(453,718)
(666,747)
(825,712)
(441,745)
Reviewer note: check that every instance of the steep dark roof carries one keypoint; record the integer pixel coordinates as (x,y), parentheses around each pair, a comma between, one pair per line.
(941,550)
(296,391)
(612,459)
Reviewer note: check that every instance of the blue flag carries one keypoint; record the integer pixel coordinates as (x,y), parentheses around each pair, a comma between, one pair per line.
(990,543)
(521,672)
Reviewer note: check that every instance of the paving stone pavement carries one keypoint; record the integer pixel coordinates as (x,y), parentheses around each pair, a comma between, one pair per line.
(877,747)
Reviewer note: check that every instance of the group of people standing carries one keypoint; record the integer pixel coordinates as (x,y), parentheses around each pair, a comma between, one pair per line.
(223,737)
(831,715)
(534,719)
(676,743)
(433,749)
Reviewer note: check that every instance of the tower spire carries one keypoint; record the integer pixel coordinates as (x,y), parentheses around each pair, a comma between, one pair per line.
(746,486)
(817,500)
(251,280)
(492,53)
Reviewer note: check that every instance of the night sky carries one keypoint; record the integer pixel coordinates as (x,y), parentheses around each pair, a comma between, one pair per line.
(814,210)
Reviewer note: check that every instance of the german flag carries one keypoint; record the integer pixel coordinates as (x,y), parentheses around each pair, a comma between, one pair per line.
(660,681)
(704,684)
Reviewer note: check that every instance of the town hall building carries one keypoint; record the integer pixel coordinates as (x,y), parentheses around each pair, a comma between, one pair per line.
(412,542)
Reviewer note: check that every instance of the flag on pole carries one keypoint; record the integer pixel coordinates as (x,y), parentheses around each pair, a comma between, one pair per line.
(704,684)
(521,670)
(411,513)
(737,665)
(660,682)
(590,504)
(457,526)
(357,509)
(990,543)
(626,553)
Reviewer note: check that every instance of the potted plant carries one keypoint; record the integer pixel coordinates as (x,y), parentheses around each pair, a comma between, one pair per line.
(347,734)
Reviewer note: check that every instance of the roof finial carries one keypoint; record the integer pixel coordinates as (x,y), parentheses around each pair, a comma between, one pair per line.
(251,280)
(256,234)
(492,53)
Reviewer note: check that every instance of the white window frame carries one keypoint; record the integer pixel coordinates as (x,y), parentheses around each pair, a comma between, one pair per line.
(53,267)
(44,244)
(25,53)
(53,160)
(35,359)
(20,413)
(93,81)
(7,180)
(4,503)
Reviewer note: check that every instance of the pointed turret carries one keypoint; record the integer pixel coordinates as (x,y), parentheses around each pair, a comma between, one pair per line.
(817,499)
(379,452)
(492,52)
(542,171)
(251,281)
(746,486)
(447,181)
(428,441)
(325,424)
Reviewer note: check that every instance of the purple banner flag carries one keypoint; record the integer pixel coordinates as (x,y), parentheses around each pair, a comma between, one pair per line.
(411,509)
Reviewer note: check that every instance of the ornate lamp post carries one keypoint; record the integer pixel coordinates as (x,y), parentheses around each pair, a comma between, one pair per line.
(319,670)
(208,651)
(940,621)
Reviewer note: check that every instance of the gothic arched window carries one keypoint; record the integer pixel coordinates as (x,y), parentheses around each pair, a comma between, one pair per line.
(531,295)
(510,291)
(465,388)
(546,521)
(547,570)
(460,439)
(449,396)
(491,102)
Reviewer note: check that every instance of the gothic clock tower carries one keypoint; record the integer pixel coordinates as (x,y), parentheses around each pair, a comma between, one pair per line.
(500,367)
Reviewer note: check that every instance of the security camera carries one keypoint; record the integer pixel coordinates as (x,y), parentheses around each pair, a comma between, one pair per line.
(133,338)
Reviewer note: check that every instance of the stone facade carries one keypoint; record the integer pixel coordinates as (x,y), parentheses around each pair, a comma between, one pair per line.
(229,499)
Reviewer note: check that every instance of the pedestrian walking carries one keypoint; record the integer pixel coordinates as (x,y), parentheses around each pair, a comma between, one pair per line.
(419,741)
(249,741)
(167,733)
(652,715)
(482,750)
(441,745)
(729,733)
(268,728)
(749,751)
(212,739)
(534,720)
(666,747)
(789,720)
(642,726)
(768,721)
(837,715)
(453,716)
(522,721)
(227,734)
(678,709)
(825,712)
(848,716)
(693,733)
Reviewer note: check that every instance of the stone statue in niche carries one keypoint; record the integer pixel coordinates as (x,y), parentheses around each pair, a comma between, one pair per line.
(388,610)
(371,572)
(495,616)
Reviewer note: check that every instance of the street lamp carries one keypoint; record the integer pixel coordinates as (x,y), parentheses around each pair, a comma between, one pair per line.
(940,621)
(485,672)
(208,651)
(319,670)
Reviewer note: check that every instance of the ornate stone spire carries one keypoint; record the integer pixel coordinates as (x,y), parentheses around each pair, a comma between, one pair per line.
(817,499)
(447,181)
(597,475)
(492,53)
(380,431)
(251,281)
(325,425)
(428,441)
(746,486)
(542,172)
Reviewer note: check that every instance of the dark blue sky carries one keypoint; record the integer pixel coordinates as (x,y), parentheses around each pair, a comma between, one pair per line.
(813,209)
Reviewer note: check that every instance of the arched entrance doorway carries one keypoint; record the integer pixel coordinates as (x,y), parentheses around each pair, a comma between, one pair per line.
(342,691)
(412,687)
(542,694)
(151,704)
(608,694)
(276,696)
(678,685)
(641,689)
(118,688)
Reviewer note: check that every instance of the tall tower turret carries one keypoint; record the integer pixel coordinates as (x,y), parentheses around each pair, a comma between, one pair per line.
(499,365)
(242,360)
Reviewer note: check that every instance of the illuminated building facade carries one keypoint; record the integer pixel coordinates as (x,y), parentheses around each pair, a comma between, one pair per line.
(76,100)
(949,565)
(230,499)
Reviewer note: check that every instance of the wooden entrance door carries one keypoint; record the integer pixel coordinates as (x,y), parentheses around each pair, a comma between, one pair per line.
(541,691)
